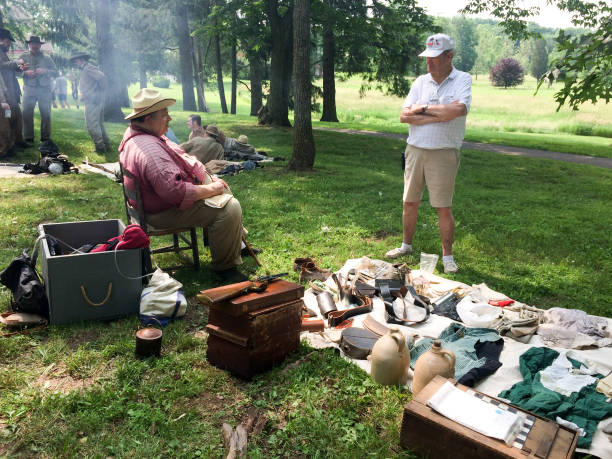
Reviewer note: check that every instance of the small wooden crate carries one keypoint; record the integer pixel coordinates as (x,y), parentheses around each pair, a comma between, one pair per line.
(254,332)
(427,432)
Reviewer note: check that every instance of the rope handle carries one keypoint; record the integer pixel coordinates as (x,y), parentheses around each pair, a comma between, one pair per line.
(91,303)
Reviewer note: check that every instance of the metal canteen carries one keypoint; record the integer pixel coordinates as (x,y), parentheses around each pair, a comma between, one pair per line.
(390,359)
(436,361)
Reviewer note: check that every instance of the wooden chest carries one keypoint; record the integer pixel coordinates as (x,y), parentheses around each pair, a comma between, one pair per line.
(426,432)
(254,332)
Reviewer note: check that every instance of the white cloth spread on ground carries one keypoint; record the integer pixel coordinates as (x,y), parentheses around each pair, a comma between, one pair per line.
(507,375)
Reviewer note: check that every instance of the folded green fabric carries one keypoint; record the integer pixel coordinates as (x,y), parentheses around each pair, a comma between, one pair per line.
(585,408)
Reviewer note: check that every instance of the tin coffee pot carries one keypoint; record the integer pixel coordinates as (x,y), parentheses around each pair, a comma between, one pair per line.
(436,361)
(390,358)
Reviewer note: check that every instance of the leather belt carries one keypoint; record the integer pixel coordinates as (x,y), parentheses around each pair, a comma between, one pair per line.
(389,294)
(336,317)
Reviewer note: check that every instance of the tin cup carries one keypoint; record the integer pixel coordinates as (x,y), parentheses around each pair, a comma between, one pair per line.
(148,342)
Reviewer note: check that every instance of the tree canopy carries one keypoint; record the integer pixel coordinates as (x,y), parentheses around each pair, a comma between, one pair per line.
(585,59)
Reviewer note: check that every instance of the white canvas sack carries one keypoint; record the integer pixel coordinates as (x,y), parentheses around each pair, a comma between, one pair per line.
(162,300)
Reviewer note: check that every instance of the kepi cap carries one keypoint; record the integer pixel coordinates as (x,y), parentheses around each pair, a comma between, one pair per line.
(437,44)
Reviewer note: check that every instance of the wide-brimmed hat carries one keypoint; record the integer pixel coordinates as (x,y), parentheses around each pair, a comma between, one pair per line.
(212,130)
(4,33)
(81,55)
(243,139)
(35,39)
(437,44)
(148,101)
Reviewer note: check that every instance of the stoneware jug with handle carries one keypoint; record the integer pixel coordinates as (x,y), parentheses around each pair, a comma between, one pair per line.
(390,358)
(436,361)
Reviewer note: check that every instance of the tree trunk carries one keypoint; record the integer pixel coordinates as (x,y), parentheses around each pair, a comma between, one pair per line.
(185,55)
(277,108)
(197,67)
(220,74)
(1,19)
(329,82)
(303,140)
(234,77)
(142,73)
(106,57)
(255,71)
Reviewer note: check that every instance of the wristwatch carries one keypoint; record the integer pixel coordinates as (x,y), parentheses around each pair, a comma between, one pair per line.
(424,108)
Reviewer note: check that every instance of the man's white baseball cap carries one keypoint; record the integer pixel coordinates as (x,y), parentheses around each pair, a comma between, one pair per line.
(437,44)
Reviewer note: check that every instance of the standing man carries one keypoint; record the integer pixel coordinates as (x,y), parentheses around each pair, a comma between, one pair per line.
(92,84)
(37,82)
(7,142)
(61,87)
(8,72)
(436,110)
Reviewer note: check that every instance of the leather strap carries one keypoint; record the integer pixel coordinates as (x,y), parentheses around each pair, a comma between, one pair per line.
(336,317)
(390,312)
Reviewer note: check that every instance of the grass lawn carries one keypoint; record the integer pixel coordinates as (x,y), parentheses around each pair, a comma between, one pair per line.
(537,230)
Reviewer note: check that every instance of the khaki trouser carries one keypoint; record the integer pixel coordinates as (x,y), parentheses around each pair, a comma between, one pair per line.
(32,95)
(94,120)
(7,140)
(224,229)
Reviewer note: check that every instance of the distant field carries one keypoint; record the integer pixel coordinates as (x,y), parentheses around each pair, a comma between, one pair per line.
(507,116)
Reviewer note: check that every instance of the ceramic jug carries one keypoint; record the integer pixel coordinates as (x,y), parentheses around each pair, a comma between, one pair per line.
(390,358)
(436,361)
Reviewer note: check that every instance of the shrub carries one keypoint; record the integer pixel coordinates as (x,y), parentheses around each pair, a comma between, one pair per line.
(507,72)
(160,82)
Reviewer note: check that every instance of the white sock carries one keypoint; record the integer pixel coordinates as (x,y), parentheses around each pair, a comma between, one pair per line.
(406,247)
(242,245)
(447,258)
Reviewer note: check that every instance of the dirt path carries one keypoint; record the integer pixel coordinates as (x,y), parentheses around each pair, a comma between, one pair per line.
(501,149)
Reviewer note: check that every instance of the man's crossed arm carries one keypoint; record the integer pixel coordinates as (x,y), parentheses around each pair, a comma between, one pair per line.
(433,113)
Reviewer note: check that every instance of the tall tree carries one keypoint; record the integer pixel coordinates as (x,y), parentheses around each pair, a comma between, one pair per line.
(586,59)
(538,58)
(106,57)
(198,74)
(464,34)
(234,66)
(185,55)
(219,67)
(279,14)
(303,140)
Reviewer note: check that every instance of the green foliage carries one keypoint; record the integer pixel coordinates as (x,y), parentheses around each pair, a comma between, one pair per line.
(160,82)
(464,34)
(539,58)
(507,72)
(586,59)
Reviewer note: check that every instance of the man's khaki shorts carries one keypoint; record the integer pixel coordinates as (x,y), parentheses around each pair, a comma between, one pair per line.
(436,169)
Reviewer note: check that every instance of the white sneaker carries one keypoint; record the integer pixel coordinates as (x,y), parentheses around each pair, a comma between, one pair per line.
(397,252)
(450,267)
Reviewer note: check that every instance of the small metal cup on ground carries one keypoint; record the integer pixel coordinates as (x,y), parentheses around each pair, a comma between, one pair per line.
(148,342)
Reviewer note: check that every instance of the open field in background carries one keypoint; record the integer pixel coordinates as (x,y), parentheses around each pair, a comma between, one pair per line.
(541,234)
(512,116)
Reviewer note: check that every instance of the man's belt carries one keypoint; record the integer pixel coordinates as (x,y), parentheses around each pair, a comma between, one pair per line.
(389,291)
(336,317)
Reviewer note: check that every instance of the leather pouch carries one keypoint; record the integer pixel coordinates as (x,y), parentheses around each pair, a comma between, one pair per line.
(357,343)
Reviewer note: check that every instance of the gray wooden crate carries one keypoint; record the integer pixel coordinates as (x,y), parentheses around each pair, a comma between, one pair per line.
(72,280)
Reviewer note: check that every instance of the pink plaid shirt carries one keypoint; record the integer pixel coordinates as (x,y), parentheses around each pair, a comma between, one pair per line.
(166,174)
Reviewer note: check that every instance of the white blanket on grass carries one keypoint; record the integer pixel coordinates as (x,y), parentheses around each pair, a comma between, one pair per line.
(506,376)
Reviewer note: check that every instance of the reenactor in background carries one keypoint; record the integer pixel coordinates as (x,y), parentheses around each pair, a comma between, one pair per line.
(8,72)
(37,81)
(92,84)
(75,90)
(7,142)
(61,90)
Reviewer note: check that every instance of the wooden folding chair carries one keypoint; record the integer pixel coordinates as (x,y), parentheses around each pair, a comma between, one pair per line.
(135,213)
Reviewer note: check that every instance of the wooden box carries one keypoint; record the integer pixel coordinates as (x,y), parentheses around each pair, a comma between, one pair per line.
(277,292)
(430,434)
(88,286)
(255,341)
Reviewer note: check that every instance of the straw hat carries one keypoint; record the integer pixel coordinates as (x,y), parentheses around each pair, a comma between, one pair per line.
(243,139)
(148,101)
